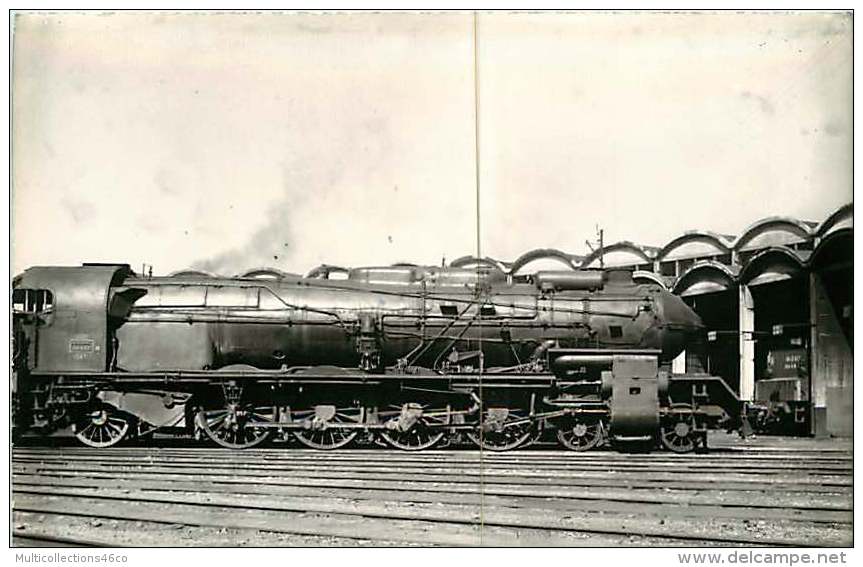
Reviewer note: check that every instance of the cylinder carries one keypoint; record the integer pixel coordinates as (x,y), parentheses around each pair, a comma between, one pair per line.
(581,366)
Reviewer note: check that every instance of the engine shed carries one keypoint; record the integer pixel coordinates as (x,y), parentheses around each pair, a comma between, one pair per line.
(777,301)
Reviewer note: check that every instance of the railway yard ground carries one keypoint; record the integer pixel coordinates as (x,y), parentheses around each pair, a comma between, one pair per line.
(765,491)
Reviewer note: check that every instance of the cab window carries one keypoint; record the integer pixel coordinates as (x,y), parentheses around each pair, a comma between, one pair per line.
(32,301)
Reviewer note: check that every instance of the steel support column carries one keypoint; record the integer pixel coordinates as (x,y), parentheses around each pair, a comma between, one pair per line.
(747,343)
(817,387)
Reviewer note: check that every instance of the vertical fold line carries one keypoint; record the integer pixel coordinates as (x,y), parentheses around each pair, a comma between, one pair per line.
(476,138)
(476,135)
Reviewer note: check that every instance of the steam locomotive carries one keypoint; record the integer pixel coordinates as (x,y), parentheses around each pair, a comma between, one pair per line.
(407,356)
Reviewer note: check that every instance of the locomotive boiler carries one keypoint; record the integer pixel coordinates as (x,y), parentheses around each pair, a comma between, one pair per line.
(407,356)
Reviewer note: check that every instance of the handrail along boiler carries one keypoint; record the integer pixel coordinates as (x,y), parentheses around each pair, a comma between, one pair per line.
(409,356)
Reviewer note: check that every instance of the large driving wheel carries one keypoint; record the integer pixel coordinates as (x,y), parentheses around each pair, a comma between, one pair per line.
(408,432)
(104,426)
(328,427)
(237,426)
(498,433)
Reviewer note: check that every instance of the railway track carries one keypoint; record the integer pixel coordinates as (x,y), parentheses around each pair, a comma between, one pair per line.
(782,492)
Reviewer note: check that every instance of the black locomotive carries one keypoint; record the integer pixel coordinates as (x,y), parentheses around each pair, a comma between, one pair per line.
(410,356)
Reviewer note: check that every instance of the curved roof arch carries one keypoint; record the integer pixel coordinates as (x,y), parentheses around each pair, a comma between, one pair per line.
(772,264)
(707,276)
(266,272)
(470,261)
(843,217)
(623,246)
(775,231)
(189,272)
(643,276)
(715,241)
(324,270)
(843,237)
(567,260)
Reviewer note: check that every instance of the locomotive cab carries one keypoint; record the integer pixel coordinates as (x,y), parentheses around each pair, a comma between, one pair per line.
(62,314)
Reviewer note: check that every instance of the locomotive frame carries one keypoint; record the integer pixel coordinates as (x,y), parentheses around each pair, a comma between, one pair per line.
(66,322)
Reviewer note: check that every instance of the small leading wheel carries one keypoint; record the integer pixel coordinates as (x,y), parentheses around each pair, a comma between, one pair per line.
(580,435)
(678,434)
(420,434)
(237,426)
(102,427)
(497,433)
(326,429)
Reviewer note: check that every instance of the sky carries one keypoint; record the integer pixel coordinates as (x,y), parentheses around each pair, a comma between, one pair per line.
(231,141)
